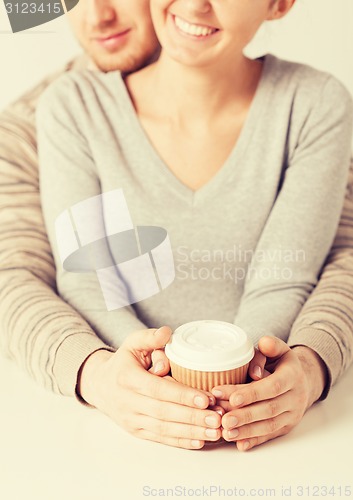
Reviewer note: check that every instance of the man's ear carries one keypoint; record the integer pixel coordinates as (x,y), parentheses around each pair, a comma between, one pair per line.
(279,8)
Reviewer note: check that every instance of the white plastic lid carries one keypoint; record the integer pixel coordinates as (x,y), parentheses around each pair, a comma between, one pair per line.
(209,345)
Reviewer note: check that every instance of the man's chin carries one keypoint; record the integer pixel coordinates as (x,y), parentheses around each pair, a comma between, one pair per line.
(120,62)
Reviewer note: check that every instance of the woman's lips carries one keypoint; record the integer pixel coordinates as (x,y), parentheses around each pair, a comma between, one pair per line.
(114,41)
(192,30)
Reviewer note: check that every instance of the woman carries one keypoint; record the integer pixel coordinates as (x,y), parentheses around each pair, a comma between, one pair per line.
(243,162)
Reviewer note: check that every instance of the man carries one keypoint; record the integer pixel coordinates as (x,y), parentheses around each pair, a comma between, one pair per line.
(60,350)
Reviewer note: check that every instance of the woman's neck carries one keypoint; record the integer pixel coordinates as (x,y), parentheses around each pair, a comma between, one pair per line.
(192,94)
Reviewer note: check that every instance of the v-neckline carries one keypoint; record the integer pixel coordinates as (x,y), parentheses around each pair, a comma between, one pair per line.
(212,185)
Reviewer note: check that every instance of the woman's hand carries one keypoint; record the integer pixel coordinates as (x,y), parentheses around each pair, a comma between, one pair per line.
(293,379)
(157,408)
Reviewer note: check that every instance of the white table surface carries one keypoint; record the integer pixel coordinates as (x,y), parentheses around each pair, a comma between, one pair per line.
(52,448)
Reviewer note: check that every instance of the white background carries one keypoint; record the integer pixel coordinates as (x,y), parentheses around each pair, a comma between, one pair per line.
(317,32)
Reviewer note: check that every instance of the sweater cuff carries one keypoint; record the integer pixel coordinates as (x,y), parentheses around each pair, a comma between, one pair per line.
(77,393)
(70,356)
(325,346)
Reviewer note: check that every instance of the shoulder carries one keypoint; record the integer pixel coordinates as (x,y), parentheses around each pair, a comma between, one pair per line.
(24,107)
(306,95)
(306,82)
(17,120)
(81,102)
(79,89)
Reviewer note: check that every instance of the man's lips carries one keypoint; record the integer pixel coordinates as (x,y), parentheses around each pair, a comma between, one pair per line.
(112,40)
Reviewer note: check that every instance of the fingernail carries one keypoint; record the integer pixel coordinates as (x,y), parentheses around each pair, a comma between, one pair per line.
(217,393)
(211,433)
(232,421)
(246,445)
(211,420)
(258,371)
(199,401)
(233,433)
(212,400)
(159,367)
(195,443)
(237,400)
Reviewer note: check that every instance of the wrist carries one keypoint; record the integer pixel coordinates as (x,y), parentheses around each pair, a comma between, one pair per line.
(315,371)
(89,375)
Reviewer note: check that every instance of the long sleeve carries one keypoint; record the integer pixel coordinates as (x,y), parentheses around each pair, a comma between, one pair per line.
(68,176)
(45,336)
(325,324)
(301,227)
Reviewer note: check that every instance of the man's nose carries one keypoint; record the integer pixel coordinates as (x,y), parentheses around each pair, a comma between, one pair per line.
(99,12)
(198,6)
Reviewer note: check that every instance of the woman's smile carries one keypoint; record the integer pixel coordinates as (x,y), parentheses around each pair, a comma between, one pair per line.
(194,30)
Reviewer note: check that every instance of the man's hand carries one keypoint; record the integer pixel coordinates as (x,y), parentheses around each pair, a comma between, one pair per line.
(293,379)
(124,386)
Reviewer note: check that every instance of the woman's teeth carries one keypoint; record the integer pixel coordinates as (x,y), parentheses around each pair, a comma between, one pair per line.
(193,29)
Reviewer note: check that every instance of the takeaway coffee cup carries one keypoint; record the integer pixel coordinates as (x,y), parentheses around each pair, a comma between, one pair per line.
(203,354)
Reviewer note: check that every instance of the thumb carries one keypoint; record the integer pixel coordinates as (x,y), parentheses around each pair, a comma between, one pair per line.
(272,347)
(148,340)
(160,363)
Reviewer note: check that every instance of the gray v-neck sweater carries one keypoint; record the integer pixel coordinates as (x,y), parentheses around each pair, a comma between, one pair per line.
(248,246)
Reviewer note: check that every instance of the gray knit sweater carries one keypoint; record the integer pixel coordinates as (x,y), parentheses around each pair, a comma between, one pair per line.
(248,246)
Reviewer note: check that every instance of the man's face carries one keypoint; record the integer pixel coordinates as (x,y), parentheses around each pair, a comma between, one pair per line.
(116,34)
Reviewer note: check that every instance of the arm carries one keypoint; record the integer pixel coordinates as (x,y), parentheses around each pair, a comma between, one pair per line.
(68,176)
(303,220)
(321,340)
(325,323)
(45,336)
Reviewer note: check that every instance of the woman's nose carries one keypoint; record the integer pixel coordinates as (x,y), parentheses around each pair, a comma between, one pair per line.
(198,6)
(99,12)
